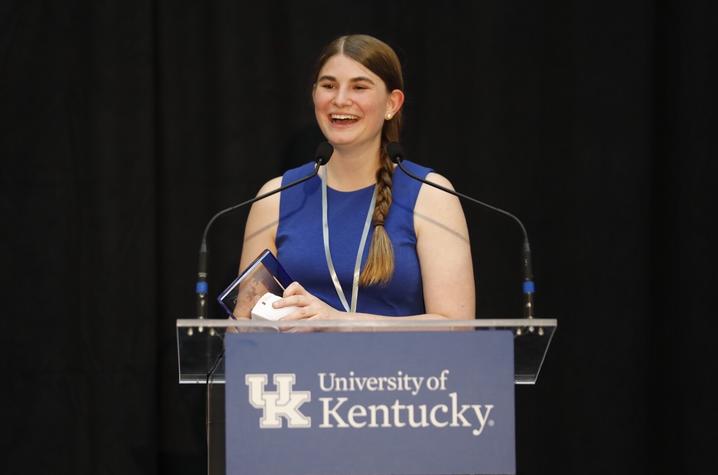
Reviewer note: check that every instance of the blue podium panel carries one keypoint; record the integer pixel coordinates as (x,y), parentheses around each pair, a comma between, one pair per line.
(370,403)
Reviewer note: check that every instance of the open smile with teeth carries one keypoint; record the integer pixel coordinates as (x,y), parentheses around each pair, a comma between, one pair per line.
(343,118)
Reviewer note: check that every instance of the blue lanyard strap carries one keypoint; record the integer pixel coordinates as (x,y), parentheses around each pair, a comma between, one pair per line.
(360,251)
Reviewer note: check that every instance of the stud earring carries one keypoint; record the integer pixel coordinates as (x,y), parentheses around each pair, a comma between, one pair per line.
(388,117)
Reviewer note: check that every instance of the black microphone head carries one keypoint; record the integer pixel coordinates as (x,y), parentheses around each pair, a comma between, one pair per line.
(324,153)
(395,151)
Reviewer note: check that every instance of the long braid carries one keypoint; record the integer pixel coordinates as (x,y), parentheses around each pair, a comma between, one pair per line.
(380,260)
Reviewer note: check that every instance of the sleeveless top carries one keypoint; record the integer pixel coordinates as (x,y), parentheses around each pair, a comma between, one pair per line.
(300,247)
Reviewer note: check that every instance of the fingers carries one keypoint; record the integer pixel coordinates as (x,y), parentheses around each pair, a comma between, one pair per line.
(291,301)
(299,314)
(294,289)
(308,307)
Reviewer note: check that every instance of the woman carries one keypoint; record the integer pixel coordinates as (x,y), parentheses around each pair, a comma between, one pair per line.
(416,257)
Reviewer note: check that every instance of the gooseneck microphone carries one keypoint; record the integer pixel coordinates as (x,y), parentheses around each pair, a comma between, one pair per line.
(321,157)
(396,153)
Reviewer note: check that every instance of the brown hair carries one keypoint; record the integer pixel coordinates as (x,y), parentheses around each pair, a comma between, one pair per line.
(380,59)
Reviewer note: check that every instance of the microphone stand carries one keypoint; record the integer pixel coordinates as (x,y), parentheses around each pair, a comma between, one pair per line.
(201,286)
(322,156)
(528,286)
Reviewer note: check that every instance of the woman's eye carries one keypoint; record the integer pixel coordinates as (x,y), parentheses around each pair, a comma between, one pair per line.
(328,86)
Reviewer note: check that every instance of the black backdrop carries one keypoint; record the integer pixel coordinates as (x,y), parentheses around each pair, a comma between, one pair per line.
(126,124)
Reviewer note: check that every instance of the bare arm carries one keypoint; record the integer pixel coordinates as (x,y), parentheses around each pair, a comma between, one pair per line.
(444,252)
(261,228)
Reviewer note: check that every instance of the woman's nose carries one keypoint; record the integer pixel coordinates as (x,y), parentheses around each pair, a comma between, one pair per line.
(342,97)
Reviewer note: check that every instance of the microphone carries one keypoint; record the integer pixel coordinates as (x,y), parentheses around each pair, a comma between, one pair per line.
(321,157)
(396,153)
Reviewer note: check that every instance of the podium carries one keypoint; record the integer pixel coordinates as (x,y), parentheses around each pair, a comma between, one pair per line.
(340,398)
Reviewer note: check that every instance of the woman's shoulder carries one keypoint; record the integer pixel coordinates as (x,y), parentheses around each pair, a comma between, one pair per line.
(434,177)
(433,200)
(425,173)
(287,177)
(266,209)
(417,169)
(272,184)
(297,172)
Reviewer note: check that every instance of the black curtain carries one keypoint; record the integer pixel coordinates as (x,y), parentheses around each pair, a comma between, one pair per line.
(125,125)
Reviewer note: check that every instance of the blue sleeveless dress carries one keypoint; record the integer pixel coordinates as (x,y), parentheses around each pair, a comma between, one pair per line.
(300,247)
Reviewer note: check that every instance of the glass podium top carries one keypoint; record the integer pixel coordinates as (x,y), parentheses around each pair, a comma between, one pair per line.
(200,342)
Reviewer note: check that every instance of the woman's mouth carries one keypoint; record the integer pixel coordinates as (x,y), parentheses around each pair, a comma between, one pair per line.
(343,119)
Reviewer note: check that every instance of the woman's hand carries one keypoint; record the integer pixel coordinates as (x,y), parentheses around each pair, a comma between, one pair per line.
(308,306)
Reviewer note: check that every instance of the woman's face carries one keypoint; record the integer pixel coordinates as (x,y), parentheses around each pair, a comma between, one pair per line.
(351,102)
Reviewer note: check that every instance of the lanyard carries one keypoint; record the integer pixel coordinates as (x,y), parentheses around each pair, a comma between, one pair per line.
(360,251)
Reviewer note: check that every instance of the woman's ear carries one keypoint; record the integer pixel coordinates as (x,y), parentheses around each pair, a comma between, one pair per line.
(394,103)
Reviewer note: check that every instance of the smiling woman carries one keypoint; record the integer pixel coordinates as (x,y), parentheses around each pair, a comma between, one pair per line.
(351,104)
(348,94)
(418,260)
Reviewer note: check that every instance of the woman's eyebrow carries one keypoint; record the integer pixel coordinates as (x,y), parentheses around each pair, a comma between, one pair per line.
(362,79)
(356,79)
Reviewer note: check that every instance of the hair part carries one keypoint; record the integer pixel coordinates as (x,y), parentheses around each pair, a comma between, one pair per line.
(380,59)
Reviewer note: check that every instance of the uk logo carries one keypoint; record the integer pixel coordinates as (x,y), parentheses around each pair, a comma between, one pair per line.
(284,403)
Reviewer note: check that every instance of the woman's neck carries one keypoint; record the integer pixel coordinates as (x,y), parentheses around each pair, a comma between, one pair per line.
(353,169)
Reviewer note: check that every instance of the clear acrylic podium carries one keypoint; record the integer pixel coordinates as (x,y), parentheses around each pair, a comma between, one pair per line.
(199,341)
(200,349)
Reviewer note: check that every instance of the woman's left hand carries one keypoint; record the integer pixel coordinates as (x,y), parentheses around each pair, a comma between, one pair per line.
(308,306)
